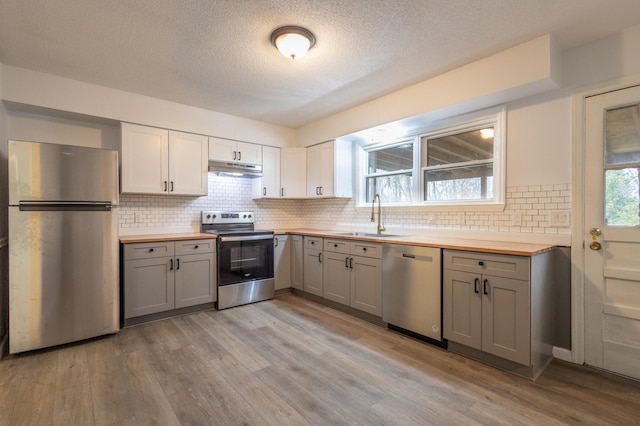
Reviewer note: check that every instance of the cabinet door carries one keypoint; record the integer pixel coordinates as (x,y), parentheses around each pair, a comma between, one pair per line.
(148,286)
(188,164)
(462,308)
(297,262)
(282,261)
(314,174)
(270,181)
(327,169)
(335,277)
(222,149)
(248,153)
(313,271)
(195,279)
(506,318)
(145,160)
(366,284)
(293,172)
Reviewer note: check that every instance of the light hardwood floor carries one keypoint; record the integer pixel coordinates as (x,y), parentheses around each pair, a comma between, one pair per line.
(290,361)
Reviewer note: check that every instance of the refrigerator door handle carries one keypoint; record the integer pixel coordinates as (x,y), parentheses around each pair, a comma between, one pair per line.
(64,206)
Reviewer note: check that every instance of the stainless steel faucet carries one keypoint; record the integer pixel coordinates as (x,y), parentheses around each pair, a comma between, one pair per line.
(373,216)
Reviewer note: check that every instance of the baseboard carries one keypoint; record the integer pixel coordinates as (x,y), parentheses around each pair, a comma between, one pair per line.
(563,354)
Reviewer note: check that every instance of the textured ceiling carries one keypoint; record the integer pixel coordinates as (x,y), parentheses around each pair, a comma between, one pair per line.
(216,54)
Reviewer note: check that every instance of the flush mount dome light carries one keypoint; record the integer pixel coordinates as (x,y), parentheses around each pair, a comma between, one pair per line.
(293,42)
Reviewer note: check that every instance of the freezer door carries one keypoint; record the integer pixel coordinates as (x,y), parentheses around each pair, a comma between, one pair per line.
(63,277)
(42,171)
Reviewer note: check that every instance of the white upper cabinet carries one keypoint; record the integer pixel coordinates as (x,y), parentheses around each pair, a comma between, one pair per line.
(157,161)
(188,164)
(330,169)
(230,150)
(293,172)
(269,185)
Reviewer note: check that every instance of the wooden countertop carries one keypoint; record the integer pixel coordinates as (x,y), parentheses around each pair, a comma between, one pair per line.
(165,237)
(486,246)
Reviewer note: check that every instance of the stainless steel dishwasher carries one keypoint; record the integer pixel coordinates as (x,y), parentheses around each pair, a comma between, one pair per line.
(411,289)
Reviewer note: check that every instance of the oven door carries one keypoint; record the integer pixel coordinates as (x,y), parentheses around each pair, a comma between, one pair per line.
(244,258)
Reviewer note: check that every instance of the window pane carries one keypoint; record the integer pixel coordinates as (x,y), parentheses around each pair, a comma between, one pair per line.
(459,183)
(622,197)
(391,159)
(392,189)
(459,148)
(622,136)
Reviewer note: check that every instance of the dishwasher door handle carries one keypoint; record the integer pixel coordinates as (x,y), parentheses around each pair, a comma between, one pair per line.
(410,256)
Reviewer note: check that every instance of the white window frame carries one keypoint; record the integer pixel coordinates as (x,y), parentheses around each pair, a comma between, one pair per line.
(494,117)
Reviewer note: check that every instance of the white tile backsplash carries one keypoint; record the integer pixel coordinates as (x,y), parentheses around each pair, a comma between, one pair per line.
(528,210)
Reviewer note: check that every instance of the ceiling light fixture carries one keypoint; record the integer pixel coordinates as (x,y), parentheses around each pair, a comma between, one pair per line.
(293,42)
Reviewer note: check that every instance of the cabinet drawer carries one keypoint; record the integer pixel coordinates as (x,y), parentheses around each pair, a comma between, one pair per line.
(498,265)
(336,246)
(313,243)
(195,246)
(148,250)
(361,248)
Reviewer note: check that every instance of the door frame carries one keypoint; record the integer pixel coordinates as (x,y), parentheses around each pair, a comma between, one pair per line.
(578,148)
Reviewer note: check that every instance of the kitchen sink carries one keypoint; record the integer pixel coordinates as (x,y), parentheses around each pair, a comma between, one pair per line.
(365,234)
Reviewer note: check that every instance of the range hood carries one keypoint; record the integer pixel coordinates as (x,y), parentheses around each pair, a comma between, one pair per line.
(232,168)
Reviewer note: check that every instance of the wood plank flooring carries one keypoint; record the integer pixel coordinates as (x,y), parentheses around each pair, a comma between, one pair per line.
(290,361)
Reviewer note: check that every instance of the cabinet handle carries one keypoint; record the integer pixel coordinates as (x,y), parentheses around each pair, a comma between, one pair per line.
(275,242)
(171,264)
(151,250)
(234,155)
(335,246)
(171,186)
(346,262)
(177,264)
(321,190)
(351,262)
(320,257)
(481,263)
(317,190)
(195,247)
(475,285)
(282,192)
(485,287)
(364,249)
(165,186)
(264,191)
(239,156)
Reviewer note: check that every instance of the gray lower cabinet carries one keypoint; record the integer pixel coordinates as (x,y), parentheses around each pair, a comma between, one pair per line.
(166,275)
(282,262)
(490,305)
(313,259)
(352,274)
(297,262)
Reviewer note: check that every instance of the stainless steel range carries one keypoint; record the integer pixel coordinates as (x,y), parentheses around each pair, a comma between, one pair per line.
(245,258)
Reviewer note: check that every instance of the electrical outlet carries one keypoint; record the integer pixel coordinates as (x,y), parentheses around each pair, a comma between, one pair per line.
(516,218)
(560,218)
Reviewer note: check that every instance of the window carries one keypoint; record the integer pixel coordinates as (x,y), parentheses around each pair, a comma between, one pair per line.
(457,161)
(458,166)
(390,173)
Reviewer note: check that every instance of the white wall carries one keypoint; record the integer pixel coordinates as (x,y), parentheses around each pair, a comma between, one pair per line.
(22,86)
(539,140)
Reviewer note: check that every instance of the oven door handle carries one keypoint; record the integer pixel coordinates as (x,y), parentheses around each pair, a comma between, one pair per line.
(245,238)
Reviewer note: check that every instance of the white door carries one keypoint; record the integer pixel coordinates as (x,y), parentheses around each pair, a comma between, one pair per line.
(612,232)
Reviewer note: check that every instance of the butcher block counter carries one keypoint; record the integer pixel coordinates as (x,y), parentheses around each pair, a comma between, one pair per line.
(445,242)
(129,239)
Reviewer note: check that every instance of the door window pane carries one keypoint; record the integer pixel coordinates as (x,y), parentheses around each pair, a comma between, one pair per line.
(622,197)
(459,183)
(622,136)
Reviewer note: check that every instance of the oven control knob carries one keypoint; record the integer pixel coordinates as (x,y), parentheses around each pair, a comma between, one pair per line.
(214,216)
(249,216)
(244,217)
(208,216)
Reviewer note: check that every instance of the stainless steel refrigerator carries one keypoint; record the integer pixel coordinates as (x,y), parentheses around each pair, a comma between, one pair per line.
(63,244)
